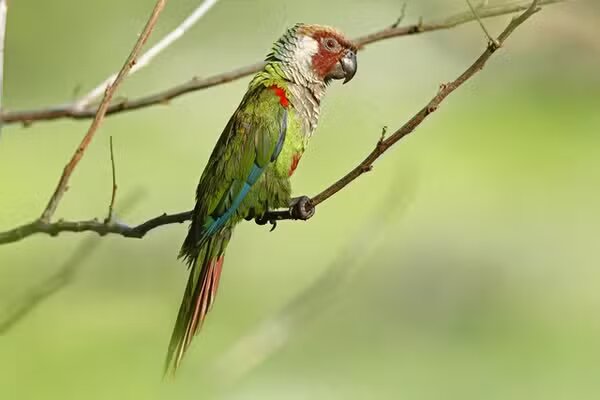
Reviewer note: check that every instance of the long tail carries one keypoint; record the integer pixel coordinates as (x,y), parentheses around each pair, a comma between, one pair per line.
(198,298)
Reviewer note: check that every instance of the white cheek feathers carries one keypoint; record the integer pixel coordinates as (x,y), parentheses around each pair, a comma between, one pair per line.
(306,48)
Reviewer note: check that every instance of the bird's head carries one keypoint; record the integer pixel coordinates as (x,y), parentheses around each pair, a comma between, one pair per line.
(317,53)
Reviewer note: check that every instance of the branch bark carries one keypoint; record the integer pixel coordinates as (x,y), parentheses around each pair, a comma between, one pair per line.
(102,228)
(61,187)
(384,144)
(27,117)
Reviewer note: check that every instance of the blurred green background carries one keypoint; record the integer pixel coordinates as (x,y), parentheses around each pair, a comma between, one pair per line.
(465,266)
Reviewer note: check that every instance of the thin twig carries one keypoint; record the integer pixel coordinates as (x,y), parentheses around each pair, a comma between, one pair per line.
(401,17)
(490,38)
(147,57)
(3,16)
(382,145)
(27,117)
(61,187)
(113,195)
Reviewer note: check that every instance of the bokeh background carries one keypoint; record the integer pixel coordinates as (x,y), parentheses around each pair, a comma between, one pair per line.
(465,266)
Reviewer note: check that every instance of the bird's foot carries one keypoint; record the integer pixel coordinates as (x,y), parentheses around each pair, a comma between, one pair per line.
(301,208)
(263,220)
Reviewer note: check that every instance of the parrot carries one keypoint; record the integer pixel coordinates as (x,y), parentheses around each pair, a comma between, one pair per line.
(248,172)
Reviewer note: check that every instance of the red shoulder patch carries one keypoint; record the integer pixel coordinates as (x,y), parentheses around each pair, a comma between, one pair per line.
(283,100)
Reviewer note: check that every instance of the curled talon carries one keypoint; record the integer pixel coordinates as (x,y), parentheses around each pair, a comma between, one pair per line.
(263,220)
(302,208)
(273,225)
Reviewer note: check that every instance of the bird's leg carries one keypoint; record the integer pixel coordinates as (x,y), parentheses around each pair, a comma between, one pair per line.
(301,208)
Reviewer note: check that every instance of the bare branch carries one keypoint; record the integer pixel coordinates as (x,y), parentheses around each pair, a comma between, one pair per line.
(490,38)
(27,117)
(129,63)
(449,22)
(401,17)
(149,55)
(113,195)
(383,144)
(93,225)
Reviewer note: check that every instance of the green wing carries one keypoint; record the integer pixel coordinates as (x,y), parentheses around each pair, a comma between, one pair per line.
(252,139)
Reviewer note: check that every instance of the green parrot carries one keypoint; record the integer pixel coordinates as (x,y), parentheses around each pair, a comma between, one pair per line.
(249,170)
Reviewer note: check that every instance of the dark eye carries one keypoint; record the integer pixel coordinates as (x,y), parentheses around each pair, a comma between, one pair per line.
(331,44)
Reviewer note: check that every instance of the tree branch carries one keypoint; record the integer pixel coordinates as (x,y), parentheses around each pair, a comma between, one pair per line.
(61,187)
(383,144)
(145,59)
(489,37)
(94,225)
(113,195)
(195,84)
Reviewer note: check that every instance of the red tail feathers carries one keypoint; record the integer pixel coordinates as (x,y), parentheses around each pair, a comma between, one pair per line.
(199,297)
(206,296)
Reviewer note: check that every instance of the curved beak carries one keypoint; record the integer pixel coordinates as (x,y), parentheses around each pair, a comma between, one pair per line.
(349,65)
(344,69)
